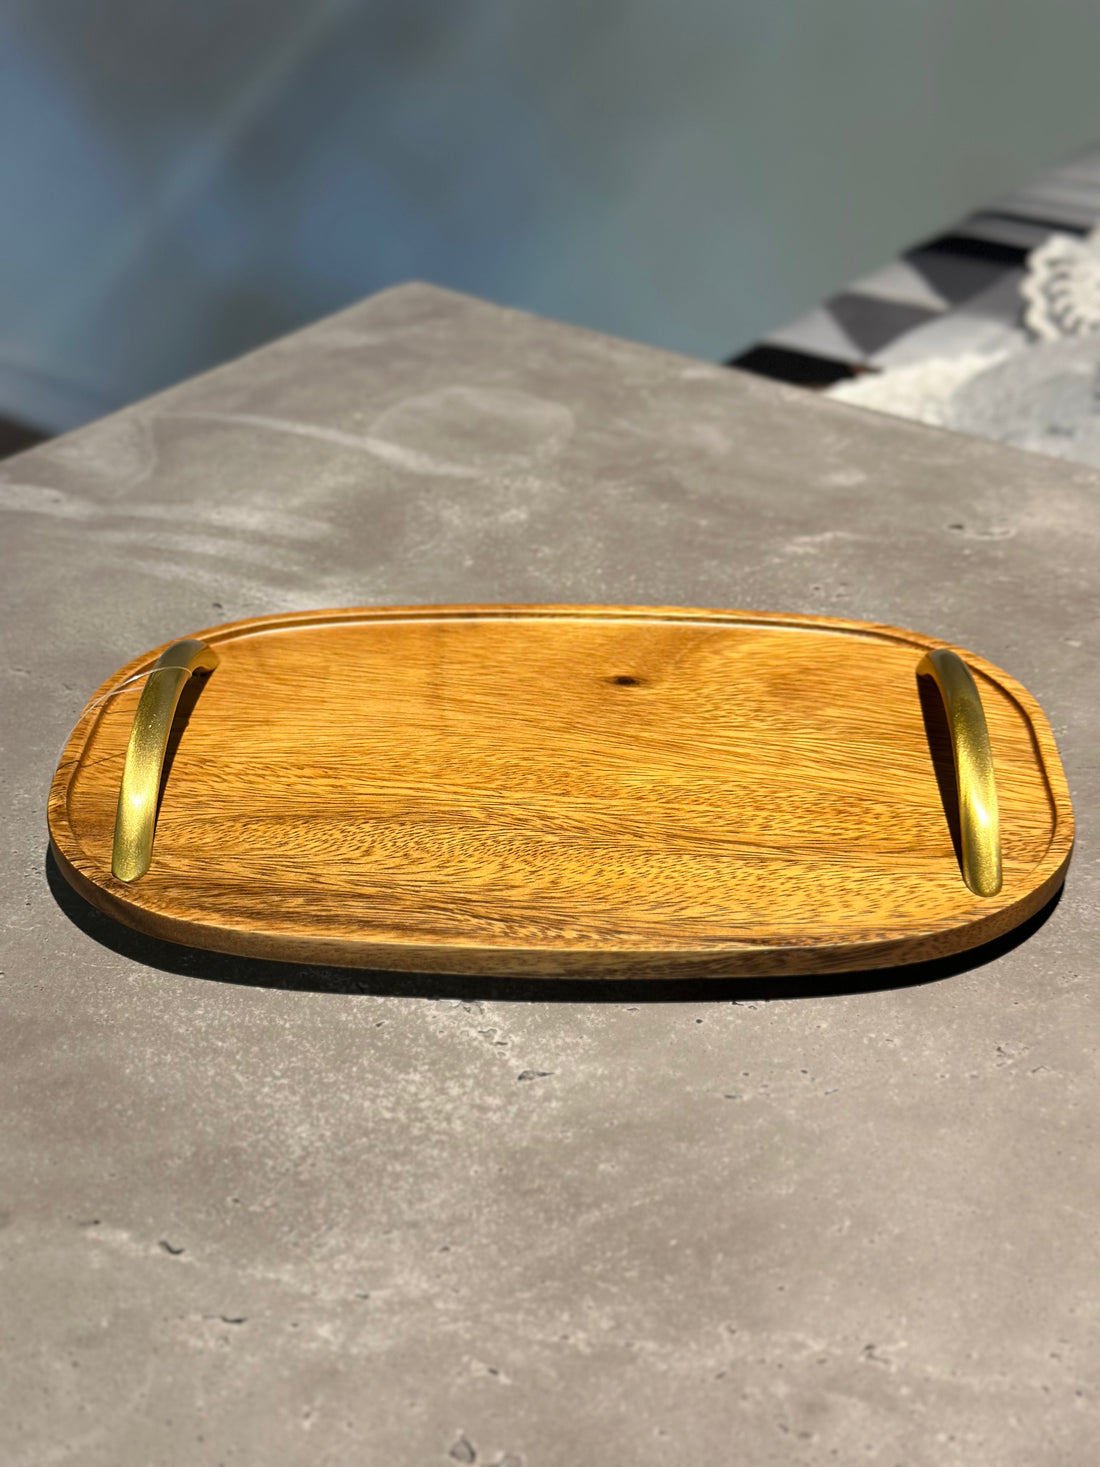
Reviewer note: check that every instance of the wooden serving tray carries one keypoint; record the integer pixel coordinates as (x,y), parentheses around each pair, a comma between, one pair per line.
(564,790)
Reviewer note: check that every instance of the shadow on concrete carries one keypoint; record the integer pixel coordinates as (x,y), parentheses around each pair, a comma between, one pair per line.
(194,962)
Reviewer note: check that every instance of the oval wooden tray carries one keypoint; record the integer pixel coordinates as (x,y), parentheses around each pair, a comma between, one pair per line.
(564,790)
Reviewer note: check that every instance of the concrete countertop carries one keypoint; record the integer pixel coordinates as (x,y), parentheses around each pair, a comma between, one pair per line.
(258,1214)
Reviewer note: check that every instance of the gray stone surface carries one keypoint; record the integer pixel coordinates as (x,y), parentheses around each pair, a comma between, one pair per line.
(256,1214)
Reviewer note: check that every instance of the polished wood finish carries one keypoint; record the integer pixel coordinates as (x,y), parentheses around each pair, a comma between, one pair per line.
(575,790)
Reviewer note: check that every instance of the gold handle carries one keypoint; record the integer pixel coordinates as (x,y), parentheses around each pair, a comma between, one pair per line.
(136,819)
(979,822)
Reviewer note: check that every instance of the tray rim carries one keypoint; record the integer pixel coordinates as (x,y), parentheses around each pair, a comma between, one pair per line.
(746,958)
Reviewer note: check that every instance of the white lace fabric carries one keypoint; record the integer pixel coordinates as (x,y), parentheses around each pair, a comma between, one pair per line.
(1061,290)
(1041,391)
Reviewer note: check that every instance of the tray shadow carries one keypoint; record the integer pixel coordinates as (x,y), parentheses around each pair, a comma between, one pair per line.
(938,733)
(213,967)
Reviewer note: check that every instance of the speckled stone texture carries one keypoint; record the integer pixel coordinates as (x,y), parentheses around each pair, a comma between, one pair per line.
(256,1214)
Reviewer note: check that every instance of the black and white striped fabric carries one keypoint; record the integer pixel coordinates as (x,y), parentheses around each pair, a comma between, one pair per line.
(956,293)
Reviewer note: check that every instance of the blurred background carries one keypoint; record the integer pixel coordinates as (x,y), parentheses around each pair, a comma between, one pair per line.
(182,180)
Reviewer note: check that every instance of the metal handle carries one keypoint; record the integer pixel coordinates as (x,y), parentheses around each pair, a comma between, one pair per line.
(979,821)
(136,819)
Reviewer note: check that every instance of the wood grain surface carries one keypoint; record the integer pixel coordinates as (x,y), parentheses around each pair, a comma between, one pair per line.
(564,791)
